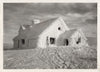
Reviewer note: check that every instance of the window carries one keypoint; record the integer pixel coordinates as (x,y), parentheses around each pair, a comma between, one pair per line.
(59,28)
(23,41)
(79,40)
(52,40)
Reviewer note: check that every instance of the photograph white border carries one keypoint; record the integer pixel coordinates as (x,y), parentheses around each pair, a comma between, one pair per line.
(49,70)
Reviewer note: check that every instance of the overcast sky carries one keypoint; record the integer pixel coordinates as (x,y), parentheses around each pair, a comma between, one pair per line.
(82,15)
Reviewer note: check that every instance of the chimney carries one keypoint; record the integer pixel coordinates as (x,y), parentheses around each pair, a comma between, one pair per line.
(23,27)
(35,21)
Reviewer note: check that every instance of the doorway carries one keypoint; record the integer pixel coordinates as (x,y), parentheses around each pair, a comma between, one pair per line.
(66,42)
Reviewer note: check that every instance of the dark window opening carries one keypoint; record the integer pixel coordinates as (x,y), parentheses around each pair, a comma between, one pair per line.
(23,41)
(59,28)
(66,42)
(79,40)
(52,40)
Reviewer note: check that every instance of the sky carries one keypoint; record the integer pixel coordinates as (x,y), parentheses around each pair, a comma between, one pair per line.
(76,15)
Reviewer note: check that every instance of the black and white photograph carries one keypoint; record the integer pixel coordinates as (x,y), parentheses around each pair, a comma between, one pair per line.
(50,35)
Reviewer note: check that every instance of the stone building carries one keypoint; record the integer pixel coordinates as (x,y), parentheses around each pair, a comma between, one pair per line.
(50,33)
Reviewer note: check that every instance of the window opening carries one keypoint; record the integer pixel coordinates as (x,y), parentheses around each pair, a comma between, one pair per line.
(59,28)
(52,40)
